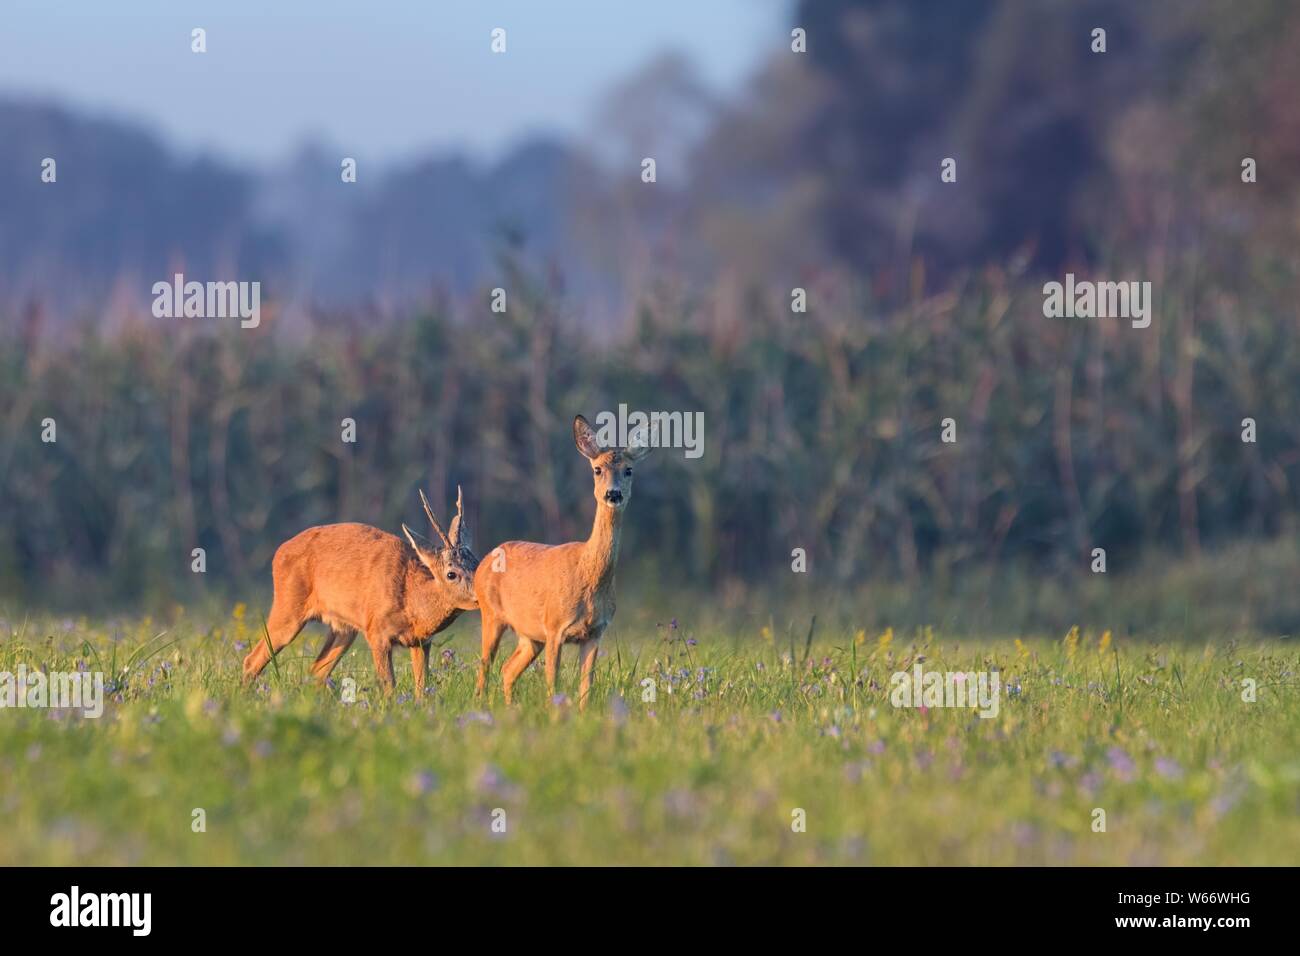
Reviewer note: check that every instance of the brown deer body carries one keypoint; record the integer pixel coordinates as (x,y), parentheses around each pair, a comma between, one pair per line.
(550,595)
(355,578)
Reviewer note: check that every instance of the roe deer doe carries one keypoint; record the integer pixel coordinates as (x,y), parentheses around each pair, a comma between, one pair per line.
(357,578)
(550,594)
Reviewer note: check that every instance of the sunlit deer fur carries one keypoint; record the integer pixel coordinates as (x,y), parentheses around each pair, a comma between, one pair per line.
(357,578)
(553,594)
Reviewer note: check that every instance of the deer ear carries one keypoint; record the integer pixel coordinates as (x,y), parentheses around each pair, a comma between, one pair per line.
(638,444)
(410,536)
(425,557)
(584,436)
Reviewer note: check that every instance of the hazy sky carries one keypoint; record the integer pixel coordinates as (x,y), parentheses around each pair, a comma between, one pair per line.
(382,78)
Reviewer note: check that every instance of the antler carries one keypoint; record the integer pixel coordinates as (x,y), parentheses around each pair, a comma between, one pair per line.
(459,534)
(434,521)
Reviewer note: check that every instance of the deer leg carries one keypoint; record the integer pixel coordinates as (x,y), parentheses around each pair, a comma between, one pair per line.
(335,646)
(419,666)
(324,649)
(587,658)
(381,648)
(493,628)
(281,627)
(553,648)
(524,655)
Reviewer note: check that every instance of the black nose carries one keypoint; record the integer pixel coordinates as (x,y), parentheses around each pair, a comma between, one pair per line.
(614,497)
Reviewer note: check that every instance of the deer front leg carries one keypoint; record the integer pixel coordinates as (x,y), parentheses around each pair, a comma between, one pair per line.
(420,666)
(587,651)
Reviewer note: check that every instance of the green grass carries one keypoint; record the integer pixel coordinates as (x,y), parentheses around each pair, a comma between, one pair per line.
(746,727)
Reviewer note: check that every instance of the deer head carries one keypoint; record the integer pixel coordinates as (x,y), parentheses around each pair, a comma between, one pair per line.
(611,468)
(452,565)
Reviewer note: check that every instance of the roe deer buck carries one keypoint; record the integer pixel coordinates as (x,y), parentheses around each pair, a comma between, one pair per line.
(550,594)
(357,578)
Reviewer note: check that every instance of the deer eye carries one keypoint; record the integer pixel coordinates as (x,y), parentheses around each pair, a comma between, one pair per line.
(597,470)
(627,472)
(451,575)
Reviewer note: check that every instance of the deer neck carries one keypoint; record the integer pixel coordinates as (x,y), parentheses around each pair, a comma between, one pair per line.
(600,553)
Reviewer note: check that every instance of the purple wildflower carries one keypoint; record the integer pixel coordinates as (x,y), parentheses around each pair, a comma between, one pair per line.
(618,709)
(1168,768)
(420,783)
(1121,763)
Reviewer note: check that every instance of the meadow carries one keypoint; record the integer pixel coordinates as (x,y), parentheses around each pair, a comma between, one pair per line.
(1106,515)
(748,726)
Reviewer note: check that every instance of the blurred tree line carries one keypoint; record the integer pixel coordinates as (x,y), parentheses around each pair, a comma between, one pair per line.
(822,431)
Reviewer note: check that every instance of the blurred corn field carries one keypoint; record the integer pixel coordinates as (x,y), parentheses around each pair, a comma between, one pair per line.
(822,432)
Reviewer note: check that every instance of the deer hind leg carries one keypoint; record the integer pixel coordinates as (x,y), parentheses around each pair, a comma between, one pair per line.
(524,655)
(493,628)
(281,627)
(335,646)
(553,648)
(381,648)
(420,666)
(587,651)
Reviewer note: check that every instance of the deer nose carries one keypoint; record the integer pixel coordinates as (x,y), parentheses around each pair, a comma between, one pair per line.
(614,496)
